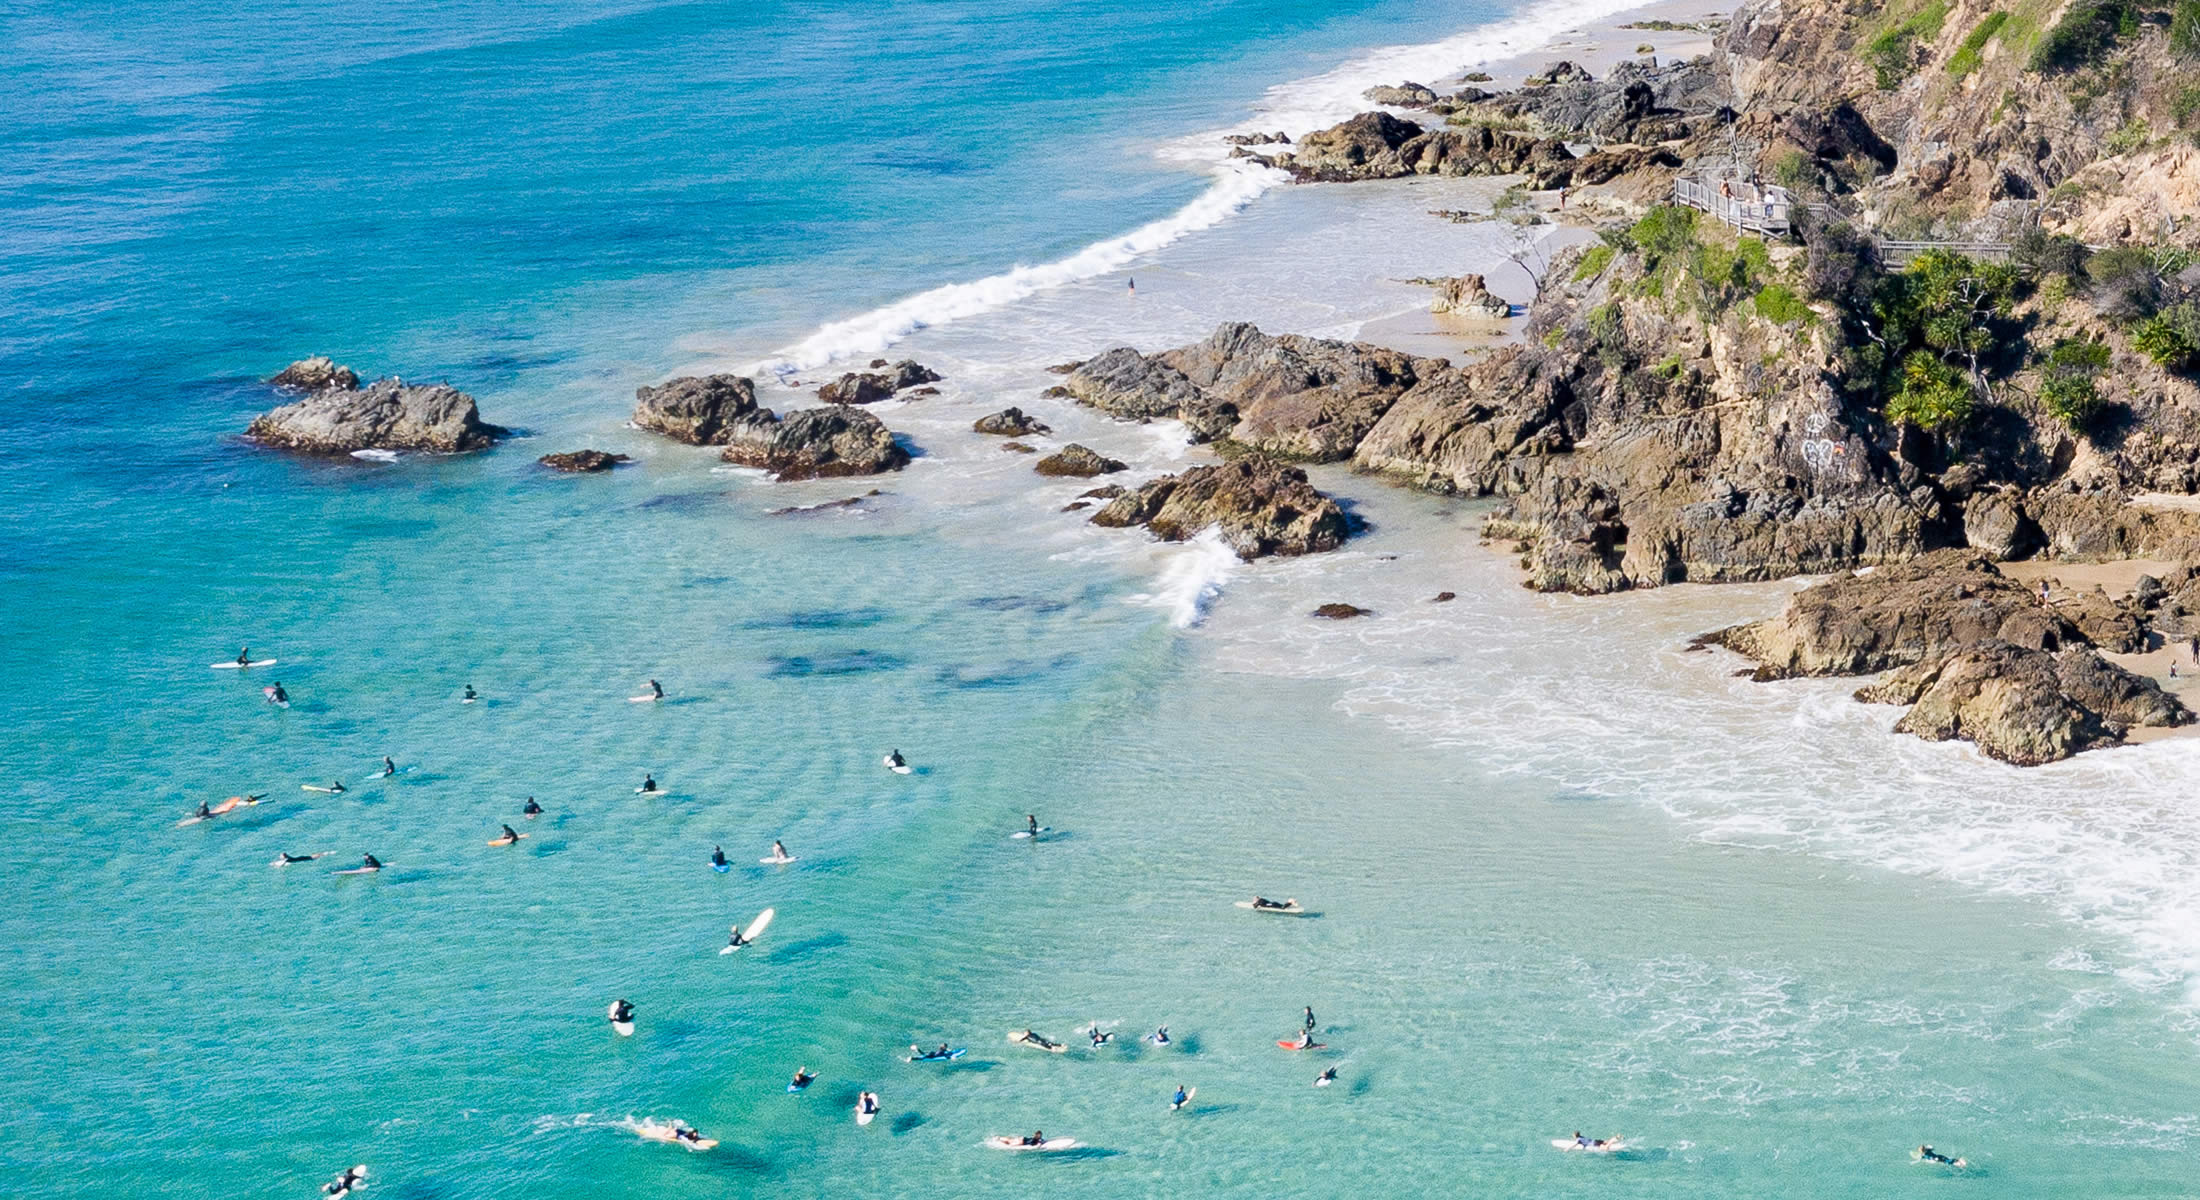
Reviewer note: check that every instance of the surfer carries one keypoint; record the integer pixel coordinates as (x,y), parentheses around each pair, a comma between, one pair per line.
(1583,1143)
(1177,1101)
(718,857)
(1160,1036)
(941,1052)
(649,782)
(867,1103)
(656,689)
(1038,1138)
(244,656)
(511,835)
(204,813)
(531,809)
(802,1079)
(779,850)
(276,694)
(687,1133)
(1034,1039)
(370,863)
(336,786)
(1928,1154)
(344,1183)
(1327,1077)
(896,761)
(471,696)
(389,768)
(1310,1018)
(1031,826)
(1099,1039)
(1306,1041)
(736,941)
(1265,902)
(622,1012)
(1132,289)
(285,858)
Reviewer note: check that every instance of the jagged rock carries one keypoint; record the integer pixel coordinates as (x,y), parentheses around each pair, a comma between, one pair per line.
(1994,523)
(1077,460)
(1124,383)
(815,443)
(699,410)
(1561,71)
(1443,597)
(388,414)
(1261,506)
(1469,296)
(1257,139)
(1009,422)
(1405,95)
(2026,706)
(1897,616)
(1106,491)
(2102,621)
(579,461)
(315,374)
(868,388)
(1376,145)
(1342,612)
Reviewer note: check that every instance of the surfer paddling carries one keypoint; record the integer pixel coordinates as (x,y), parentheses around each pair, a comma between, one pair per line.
(802,1079)
(1029,1038)
(344,1184)
(1926,1154)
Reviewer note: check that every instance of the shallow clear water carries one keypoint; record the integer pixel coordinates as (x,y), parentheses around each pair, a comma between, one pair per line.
(1568,876)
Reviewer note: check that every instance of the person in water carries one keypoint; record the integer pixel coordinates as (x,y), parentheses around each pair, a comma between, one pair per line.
(1306,1040)
(279,695)
(244,656)
(1031,824)
(531,809)
(470,693)
(510,834)
(389,768)
(204,813)
(287,858)
(1327,1077)
(649,782)
(718,857)
(1160,1036)
(1310,1022)
(1177,1101)
(370,863)
(779,850)
(894,759)
(656,689)
(1099,1039)
(621,1011)
(1038,1138)
(867,1102)
(736,941)
(802,1078)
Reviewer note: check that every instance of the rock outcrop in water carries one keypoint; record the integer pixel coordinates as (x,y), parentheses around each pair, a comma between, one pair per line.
(582,461)
(699,410)
(1978,656)
(815,443)
(1260,506)
(1009,422)
(873,386)
(314,374)
(1078,461)
(388,414)
(1289,396)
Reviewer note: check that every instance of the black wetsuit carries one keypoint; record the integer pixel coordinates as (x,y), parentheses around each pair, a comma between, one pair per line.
(532,809)
(717,856)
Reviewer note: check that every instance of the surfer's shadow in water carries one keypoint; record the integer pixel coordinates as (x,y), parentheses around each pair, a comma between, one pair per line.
(807,948)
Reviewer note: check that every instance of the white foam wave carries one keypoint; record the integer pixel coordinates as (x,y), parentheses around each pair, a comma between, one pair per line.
(1192,581)
(1293,108)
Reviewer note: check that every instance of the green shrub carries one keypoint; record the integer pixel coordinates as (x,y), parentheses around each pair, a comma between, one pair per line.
(1893,54)
(2170,337)
(2132,135)
(2067,386)
(1593,262)
(1933,396)
(2086,32)
(1664,233)
(2186,104)
(1668,367)
(1778,303)
(2043,255)
(2126,285)
(1792,170)
(1966,58)
(2184,27)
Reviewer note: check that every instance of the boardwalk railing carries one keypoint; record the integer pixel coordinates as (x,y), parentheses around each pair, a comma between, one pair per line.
(1744,206)
(1899,253)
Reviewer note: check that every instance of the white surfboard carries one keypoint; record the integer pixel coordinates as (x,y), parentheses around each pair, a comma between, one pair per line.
(643,699)
(315,787)
(238,666)
(888,761)
(862,1117)
(762,922)
(779,862)
(1025,833)
(1289,910)
(655,791)
(359,870)
(1609,1146)
(1012,1143)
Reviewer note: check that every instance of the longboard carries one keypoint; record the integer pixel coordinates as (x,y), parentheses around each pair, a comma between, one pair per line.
(1011,1143)
(950,1056)
(643,699)
(1610,1145)
(777,861)
(1293,1045)
(1025,833)
(315,787)
(1288,910)
(359,870)
(239,666)
(762,922)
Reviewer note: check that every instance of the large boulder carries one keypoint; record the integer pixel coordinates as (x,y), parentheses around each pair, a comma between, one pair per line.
(1078,461)
(315,374)
(1469,296)
(1124,383)
(581,461)
(815,443)
(388,414)
(699,410)
(1260,505)
(1297,397)
(1897,616)
(1009,422)
(872,386)
(2023,705)
(1377,145)
(1404,95)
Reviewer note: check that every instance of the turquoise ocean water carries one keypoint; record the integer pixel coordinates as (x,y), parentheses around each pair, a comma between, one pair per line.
(1566,876)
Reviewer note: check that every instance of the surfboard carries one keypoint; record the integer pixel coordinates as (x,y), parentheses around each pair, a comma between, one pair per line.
(655,791)
(511,841)
(756,927)
(359,870)
(280,861)
(314,787)
(950,1056)
(650,1131)
(468,699)
(1024,833)
(721,868)
(776,861)
(1289,910)
(195,818)
(903,769)
(1017,1036)
(862,1117)
(270,694)
(643,699)
(1188,1094)
(792,1086)
(1294,1045)
(623,1028)
(1610,1145)
(1012,1143)
(238,666)
(1323,1081)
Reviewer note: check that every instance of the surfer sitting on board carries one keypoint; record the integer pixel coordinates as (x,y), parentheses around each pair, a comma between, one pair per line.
(779,850)
(277,695)
(531,808)
(895,760)
(244,656)
(370,863)
(867,1103)
(336,785)
(736,941)
(622,1012)
(649,782)
(470,693)
(1265,902)
(510,835)
(656,689)
(1306,1041)
(388,768)
(718,856)
(204,813)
